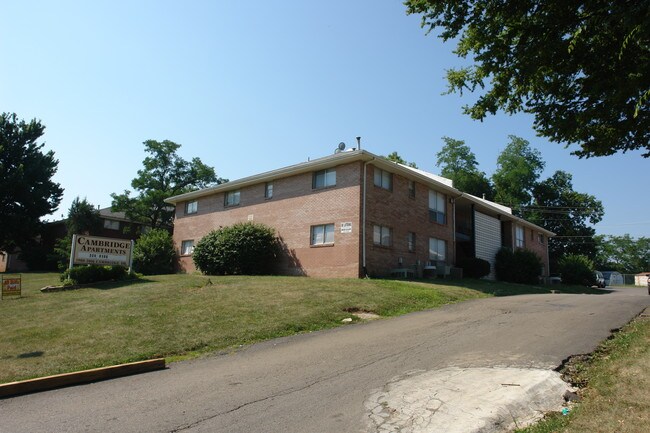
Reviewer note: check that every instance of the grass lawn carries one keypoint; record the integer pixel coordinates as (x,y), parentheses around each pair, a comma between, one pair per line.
(617,378)
(180,316)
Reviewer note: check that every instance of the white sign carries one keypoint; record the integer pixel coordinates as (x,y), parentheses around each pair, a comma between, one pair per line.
(91,250)
(346,227)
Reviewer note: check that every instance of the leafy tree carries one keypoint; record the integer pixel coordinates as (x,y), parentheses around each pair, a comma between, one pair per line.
(154,253)
(164,174)
(27,191)
(623,253)
(459,164)
(398,159)
(241,249)
(581,68)
(83,219)
(568,214)
(518,168)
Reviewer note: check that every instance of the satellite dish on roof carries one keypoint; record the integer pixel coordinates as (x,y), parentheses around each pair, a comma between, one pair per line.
(340,148)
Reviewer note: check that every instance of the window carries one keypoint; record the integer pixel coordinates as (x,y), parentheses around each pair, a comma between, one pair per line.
(383,179)
(232,198)
(187,247)
(411,242)
(436,207)
(437,250)
(382,236)
(411,188)
(322,234)
(324,178)
(111,224)
(268,190)
(540,238)
(519,237)
(191,207)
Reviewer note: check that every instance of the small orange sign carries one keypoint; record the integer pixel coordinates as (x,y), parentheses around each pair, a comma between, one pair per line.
(11,286)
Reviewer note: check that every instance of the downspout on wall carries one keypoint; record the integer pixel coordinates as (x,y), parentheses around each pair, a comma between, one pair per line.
(364,270)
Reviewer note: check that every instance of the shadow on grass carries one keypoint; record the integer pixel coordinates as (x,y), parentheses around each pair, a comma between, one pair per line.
(109,285)
(499,288)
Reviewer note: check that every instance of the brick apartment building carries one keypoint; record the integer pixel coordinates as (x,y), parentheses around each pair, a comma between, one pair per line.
(353,214)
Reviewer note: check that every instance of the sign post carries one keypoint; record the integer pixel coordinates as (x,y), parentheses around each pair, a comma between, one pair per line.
(11,286)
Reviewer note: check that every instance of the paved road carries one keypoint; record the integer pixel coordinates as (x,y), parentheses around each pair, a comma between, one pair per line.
(318,382)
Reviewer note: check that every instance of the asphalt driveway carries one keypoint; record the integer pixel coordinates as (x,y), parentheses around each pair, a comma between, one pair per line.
(322,382)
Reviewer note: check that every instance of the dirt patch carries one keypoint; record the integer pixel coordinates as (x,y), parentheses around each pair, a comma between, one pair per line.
(362,314)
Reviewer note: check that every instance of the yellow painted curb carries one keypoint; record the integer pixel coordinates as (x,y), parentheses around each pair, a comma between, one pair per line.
(79,377)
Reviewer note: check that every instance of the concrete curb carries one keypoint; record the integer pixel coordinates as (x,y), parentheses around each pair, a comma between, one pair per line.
(86,376)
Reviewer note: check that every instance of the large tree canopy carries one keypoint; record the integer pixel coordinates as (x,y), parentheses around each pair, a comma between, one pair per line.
(582,68)
(164,174)
(623,253)
(458,163)
(567,213)
(27,191)
(518,169)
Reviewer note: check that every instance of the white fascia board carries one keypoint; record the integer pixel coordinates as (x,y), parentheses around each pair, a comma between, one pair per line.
(303,167)
(429,179)
(505,213)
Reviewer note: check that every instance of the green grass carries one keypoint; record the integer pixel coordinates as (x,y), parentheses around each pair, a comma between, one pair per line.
(617,378)
(181,316)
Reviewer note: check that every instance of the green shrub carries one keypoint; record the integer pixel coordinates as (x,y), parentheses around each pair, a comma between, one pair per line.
(94,273)
(520,266)
(154,253)
(244,248)
(474,267)
(577,269)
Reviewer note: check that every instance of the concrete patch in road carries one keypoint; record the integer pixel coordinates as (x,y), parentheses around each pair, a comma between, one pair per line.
(465,400)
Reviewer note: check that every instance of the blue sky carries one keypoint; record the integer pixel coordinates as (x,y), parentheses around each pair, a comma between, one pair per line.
(257,85)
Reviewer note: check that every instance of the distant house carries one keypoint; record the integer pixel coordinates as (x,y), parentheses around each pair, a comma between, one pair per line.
(353,214)
(117,225)
(10,262)
(641,279)
(113,225)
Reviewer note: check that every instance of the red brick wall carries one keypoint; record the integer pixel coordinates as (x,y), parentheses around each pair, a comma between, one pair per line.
(294,208)
(531,242)
(403,214)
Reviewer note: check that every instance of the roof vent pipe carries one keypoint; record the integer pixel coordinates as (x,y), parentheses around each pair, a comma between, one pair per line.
(359,143)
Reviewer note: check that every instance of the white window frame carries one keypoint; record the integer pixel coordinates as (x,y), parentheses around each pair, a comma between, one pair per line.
(383,179)
(322,234)
(520,237)
(232,198)
(191,207)
(111,224)
(382,235)
(437,250)
(324,178)
(411,241)
(268,190)
(187,247)
(437,207)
